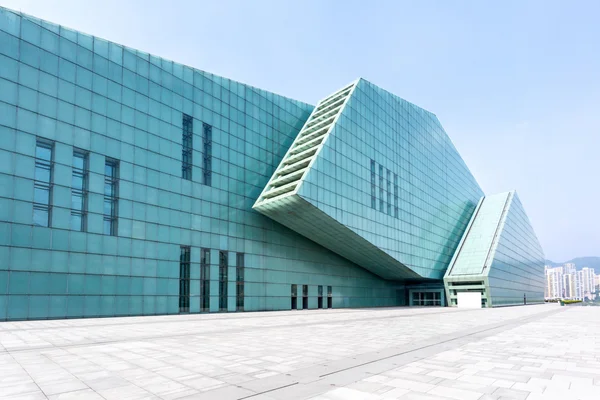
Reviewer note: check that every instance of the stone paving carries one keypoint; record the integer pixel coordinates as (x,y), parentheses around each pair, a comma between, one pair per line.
(533,352)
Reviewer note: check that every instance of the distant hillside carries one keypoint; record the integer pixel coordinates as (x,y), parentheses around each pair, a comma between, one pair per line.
(580,262)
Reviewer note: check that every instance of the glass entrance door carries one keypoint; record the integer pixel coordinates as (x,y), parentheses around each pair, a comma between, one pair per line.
(426,299)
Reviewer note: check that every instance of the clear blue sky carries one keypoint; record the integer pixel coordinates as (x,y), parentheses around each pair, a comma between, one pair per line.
(516,84)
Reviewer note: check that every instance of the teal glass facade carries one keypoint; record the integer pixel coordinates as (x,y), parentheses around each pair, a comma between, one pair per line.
(385,188)
(127,186)
(499,256)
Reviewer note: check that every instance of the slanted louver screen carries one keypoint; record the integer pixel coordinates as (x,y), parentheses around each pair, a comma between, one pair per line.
(289,173)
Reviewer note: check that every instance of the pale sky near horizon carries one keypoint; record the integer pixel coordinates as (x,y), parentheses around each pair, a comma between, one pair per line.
(516,84)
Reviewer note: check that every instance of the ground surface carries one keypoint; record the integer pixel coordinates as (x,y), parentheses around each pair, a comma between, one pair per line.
(529,352)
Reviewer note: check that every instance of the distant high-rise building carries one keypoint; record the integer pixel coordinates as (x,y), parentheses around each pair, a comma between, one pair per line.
(579,287)
(555,283)
(588,282)
(568,283)
(569,268)
(569,286)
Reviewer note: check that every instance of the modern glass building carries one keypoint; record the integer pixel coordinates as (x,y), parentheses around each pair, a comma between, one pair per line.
(133,185)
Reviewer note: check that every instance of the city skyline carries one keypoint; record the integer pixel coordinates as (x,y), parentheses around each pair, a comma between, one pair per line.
(568,281)
(432,59)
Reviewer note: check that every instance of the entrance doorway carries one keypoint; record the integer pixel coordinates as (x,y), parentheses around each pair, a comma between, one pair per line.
(426,299)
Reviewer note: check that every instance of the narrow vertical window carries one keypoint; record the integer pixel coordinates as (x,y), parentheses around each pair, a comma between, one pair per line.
(79,191)
(42,192)
(329,297)
(389,192)
(239,282)
(304,297)
(396,195)
(381,201)
(320,297)
(207,160)
(223,281)
(373,186)
(187,147)
(184,279)
(294,297)
(111,185)
(205,280)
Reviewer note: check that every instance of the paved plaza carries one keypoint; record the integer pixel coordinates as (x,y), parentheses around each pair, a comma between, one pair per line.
(534,352)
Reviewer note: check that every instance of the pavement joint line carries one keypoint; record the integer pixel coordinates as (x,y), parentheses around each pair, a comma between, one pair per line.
(205,316)
(205,333)
(458,336)
(266,391)
(498,326)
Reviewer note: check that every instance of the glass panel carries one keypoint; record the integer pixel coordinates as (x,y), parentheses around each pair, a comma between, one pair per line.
(109,170)
(108,207)
(77,201)
(41,195)
(40,216)
(108,189)
(107,227)
(79,161)
(76,222)
(77,181)
(43,152)
(42,173)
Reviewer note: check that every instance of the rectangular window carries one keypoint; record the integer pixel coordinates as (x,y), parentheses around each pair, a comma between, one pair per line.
(381,188)
(304,297)
(320,297)
(205,280)
(187,147)
(111,186)
(396,195)
(79,191)
(42,190)
(222,281)
(373,186)
(294,297)
(239,282)
(207,148)
(329,297)
(389,192)
(184,279)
